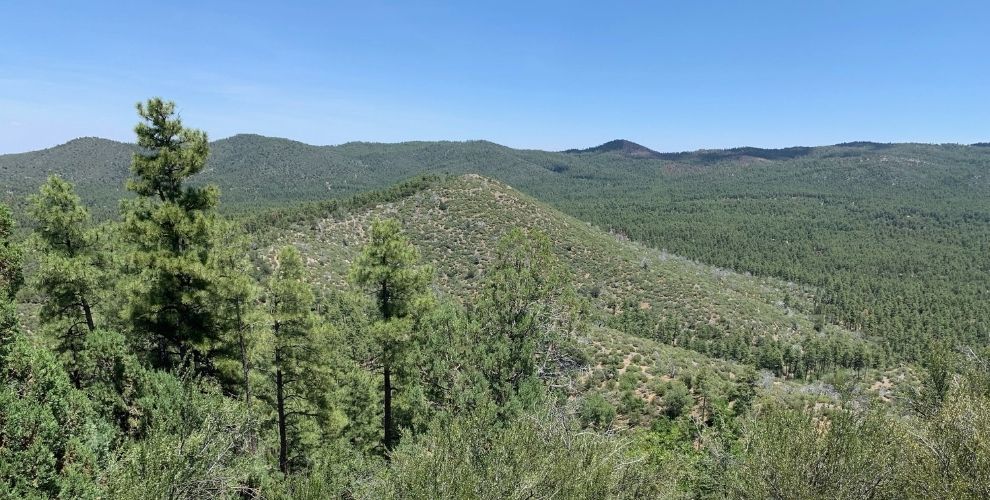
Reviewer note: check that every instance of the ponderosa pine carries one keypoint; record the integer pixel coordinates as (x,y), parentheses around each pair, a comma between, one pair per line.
(69,274)
(388,268)
(524,311)
(170,231)
(299,361)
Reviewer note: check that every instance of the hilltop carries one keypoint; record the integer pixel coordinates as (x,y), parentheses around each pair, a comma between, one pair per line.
(662,310)
(620,146)
(457,220)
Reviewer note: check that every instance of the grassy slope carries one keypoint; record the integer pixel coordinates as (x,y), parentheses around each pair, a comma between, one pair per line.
(455,223)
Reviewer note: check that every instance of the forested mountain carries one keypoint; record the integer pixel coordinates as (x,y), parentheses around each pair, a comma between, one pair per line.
(265,171)
(621,146)
(894,236)
(98,166)
(473,321)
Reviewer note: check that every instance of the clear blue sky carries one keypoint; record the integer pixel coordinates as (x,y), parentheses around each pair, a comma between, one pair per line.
(550,75)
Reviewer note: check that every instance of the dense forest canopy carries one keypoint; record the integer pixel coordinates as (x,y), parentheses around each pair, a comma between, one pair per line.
(413,332)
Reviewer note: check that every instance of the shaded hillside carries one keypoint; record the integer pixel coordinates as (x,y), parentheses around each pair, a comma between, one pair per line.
(746,153)
(98,168)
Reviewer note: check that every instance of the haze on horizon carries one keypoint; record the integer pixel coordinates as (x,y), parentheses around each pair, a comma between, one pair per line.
(556,76)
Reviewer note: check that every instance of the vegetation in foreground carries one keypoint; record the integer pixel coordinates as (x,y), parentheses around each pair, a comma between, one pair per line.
(170,354)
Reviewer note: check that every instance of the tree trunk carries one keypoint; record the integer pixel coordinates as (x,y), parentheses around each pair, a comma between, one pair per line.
(246,373)
(283,444)
(387,419)
(89,315)
(245,362)
(384,304)
(75,373)
(162,353)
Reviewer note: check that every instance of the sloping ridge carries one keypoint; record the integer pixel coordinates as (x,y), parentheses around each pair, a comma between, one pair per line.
(87,159)
(457,221)
(743,153)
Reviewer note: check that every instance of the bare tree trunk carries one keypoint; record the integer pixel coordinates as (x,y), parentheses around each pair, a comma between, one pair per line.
(283,444)
(89,314)
(245,362)
(387,419)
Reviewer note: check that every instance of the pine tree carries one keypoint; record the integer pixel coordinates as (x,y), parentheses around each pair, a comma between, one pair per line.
(236,296)
(303,392)
(388,268)
(10,274)
(52,441)
(442,374)
(50,437)
(170,229)
(69,272)
(526,310)
(10,256)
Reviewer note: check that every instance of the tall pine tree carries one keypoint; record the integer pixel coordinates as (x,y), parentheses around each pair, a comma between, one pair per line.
(170,228)
(303,392)
(237,295)
(69,272)
(388,268)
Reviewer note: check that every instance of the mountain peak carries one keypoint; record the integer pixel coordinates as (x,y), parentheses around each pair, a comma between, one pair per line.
(621,146)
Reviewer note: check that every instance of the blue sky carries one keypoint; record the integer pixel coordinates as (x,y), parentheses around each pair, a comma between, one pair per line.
(550,75)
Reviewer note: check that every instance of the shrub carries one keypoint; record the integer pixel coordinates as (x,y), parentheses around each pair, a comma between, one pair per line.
(536,455)
(676,398)
(596,411)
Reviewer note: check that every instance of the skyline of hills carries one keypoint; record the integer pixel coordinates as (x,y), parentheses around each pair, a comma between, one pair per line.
(816,216)
(310,173)
(614,145)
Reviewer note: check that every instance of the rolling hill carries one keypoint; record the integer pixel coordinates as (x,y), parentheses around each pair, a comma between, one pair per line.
(893,236)
(620,146)
(265,171)
(665,314)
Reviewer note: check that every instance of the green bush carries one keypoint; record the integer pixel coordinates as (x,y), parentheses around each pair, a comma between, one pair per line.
(676,398)
(596,411)
(52,442)
(801,454)
(197,444)
(537,455)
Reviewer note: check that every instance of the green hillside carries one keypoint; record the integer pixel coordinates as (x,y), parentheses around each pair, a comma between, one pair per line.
(894,236)
(659,297)
(99,167)
(257,170)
